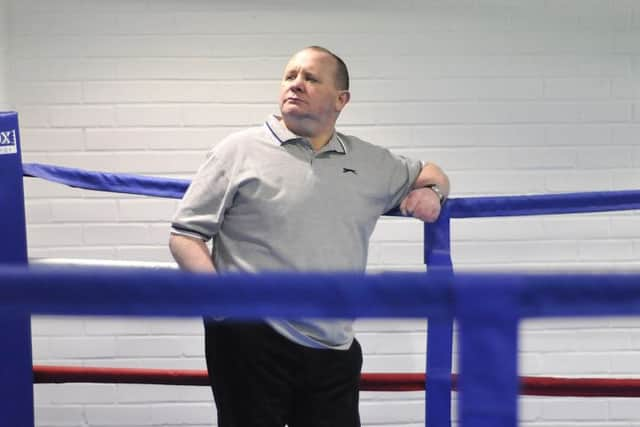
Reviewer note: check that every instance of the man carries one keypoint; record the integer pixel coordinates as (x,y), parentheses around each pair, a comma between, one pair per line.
(295,195)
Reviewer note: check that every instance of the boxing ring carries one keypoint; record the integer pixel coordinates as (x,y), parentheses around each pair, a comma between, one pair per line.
(488,387)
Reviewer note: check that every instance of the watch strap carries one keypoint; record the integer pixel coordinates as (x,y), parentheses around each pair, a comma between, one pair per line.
(438,192)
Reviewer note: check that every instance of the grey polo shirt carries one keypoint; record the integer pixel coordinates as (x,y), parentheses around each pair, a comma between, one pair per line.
(271,203)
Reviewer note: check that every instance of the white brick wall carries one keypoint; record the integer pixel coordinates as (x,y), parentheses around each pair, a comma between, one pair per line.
(509,97)
(4,54)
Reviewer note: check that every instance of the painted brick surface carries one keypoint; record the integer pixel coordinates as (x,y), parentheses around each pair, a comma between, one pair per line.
(509,97)
(4,55)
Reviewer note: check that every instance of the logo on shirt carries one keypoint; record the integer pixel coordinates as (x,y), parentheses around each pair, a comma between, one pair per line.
(347,170)
(8,142)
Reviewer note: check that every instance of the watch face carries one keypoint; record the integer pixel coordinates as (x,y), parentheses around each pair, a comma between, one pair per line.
(436,190)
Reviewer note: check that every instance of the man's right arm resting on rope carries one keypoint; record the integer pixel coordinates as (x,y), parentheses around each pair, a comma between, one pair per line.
(191,254)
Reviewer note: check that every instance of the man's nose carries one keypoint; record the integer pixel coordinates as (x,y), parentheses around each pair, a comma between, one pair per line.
(296,84)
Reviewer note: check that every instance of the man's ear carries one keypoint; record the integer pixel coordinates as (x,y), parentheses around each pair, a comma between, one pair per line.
(342,100)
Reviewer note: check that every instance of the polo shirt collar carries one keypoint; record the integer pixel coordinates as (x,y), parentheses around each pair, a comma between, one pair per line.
(283,135)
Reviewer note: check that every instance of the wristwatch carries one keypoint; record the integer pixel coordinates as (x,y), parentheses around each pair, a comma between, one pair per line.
(438,192)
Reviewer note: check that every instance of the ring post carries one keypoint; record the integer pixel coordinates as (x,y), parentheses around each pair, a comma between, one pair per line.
(489,383)
(437,257)
(16,393)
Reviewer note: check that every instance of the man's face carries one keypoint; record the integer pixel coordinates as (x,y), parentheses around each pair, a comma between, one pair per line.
(309,98)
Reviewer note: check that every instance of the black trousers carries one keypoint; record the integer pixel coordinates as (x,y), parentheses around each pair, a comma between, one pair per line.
(261,379)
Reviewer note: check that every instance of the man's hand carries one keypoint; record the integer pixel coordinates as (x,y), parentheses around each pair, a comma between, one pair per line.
(191,254)
(422,203)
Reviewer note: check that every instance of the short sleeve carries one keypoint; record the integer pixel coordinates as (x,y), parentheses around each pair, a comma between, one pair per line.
(201,210)
(403,173)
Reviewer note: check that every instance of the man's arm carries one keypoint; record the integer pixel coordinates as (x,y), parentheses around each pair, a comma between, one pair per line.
(191,254)
(424,202)
(432,174)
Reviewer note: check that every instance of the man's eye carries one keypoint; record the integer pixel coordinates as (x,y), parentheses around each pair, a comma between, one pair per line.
(312,79)
(289,78)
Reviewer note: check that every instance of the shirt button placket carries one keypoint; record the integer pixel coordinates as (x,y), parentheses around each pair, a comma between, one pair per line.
(312,154)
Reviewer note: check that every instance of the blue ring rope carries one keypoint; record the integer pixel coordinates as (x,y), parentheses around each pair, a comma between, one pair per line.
(457,208)
(170,188)
(141,292)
